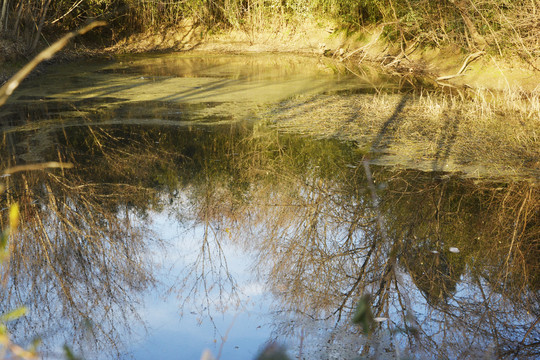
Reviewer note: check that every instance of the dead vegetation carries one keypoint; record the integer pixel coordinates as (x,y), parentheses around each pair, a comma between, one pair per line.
(480,133)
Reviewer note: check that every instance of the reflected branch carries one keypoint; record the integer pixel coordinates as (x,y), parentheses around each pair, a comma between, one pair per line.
(452,263)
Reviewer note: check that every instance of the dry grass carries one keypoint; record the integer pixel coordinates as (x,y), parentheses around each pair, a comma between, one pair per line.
(480,133)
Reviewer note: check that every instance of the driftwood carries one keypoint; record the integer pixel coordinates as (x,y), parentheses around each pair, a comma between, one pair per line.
(466,63)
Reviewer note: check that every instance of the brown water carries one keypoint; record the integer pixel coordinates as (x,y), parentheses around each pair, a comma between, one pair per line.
(188,212)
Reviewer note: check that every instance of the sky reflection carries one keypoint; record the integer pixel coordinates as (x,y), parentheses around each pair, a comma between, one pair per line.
(176,332)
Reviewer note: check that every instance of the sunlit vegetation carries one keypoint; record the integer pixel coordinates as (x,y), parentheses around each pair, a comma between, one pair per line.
(500,26)
(481,134)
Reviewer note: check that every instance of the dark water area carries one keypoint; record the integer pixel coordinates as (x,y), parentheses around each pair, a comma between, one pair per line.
(189,222)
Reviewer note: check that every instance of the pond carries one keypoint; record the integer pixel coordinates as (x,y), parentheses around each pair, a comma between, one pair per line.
(196,213)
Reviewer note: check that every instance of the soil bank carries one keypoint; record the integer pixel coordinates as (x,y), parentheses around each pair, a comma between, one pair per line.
(482,70)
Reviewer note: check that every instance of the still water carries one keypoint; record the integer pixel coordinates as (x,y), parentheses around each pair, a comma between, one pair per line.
(190,222)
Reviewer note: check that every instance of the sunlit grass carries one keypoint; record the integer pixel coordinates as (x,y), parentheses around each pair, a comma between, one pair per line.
(490,133)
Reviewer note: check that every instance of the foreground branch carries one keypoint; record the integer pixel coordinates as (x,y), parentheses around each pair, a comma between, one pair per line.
(40,166)
(15,80)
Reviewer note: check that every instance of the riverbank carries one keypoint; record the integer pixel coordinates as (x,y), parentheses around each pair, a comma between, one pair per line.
(449,66)
(418,66)
(473,113)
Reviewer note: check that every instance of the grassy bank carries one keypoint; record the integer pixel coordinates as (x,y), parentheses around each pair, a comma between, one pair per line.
(420,37)
(499,27)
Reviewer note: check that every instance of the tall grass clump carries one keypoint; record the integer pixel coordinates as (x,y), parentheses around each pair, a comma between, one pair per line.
(497,25)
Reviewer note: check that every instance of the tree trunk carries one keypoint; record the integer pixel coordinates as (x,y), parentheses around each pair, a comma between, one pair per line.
(15,28)
(463,8)
(40,26)
(3,15)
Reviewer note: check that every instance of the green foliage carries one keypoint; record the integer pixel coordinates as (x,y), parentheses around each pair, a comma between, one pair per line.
(363,316)
(69,353)
(13,315)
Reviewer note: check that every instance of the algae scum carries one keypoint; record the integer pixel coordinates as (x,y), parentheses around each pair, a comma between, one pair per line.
(223,202)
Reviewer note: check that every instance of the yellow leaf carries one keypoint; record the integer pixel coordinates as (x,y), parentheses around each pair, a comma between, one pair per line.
(4,340)
(14,314)
(14,216)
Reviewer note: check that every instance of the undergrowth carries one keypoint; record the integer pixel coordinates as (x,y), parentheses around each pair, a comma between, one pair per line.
(502,27)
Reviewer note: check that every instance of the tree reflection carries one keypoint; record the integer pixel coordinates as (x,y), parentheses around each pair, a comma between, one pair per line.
(329,251)
(452,268)
(80,261)
(450,264)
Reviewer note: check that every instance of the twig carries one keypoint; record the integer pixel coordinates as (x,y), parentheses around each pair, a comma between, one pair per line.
(514,234)
(529,331)
(225,337)
(67,13)
(15,80)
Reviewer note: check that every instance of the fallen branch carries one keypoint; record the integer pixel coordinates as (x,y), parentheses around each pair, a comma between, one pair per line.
(466,63)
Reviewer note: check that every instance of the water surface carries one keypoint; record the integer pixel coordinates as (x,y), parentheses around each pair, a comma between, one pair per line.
(189,222)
